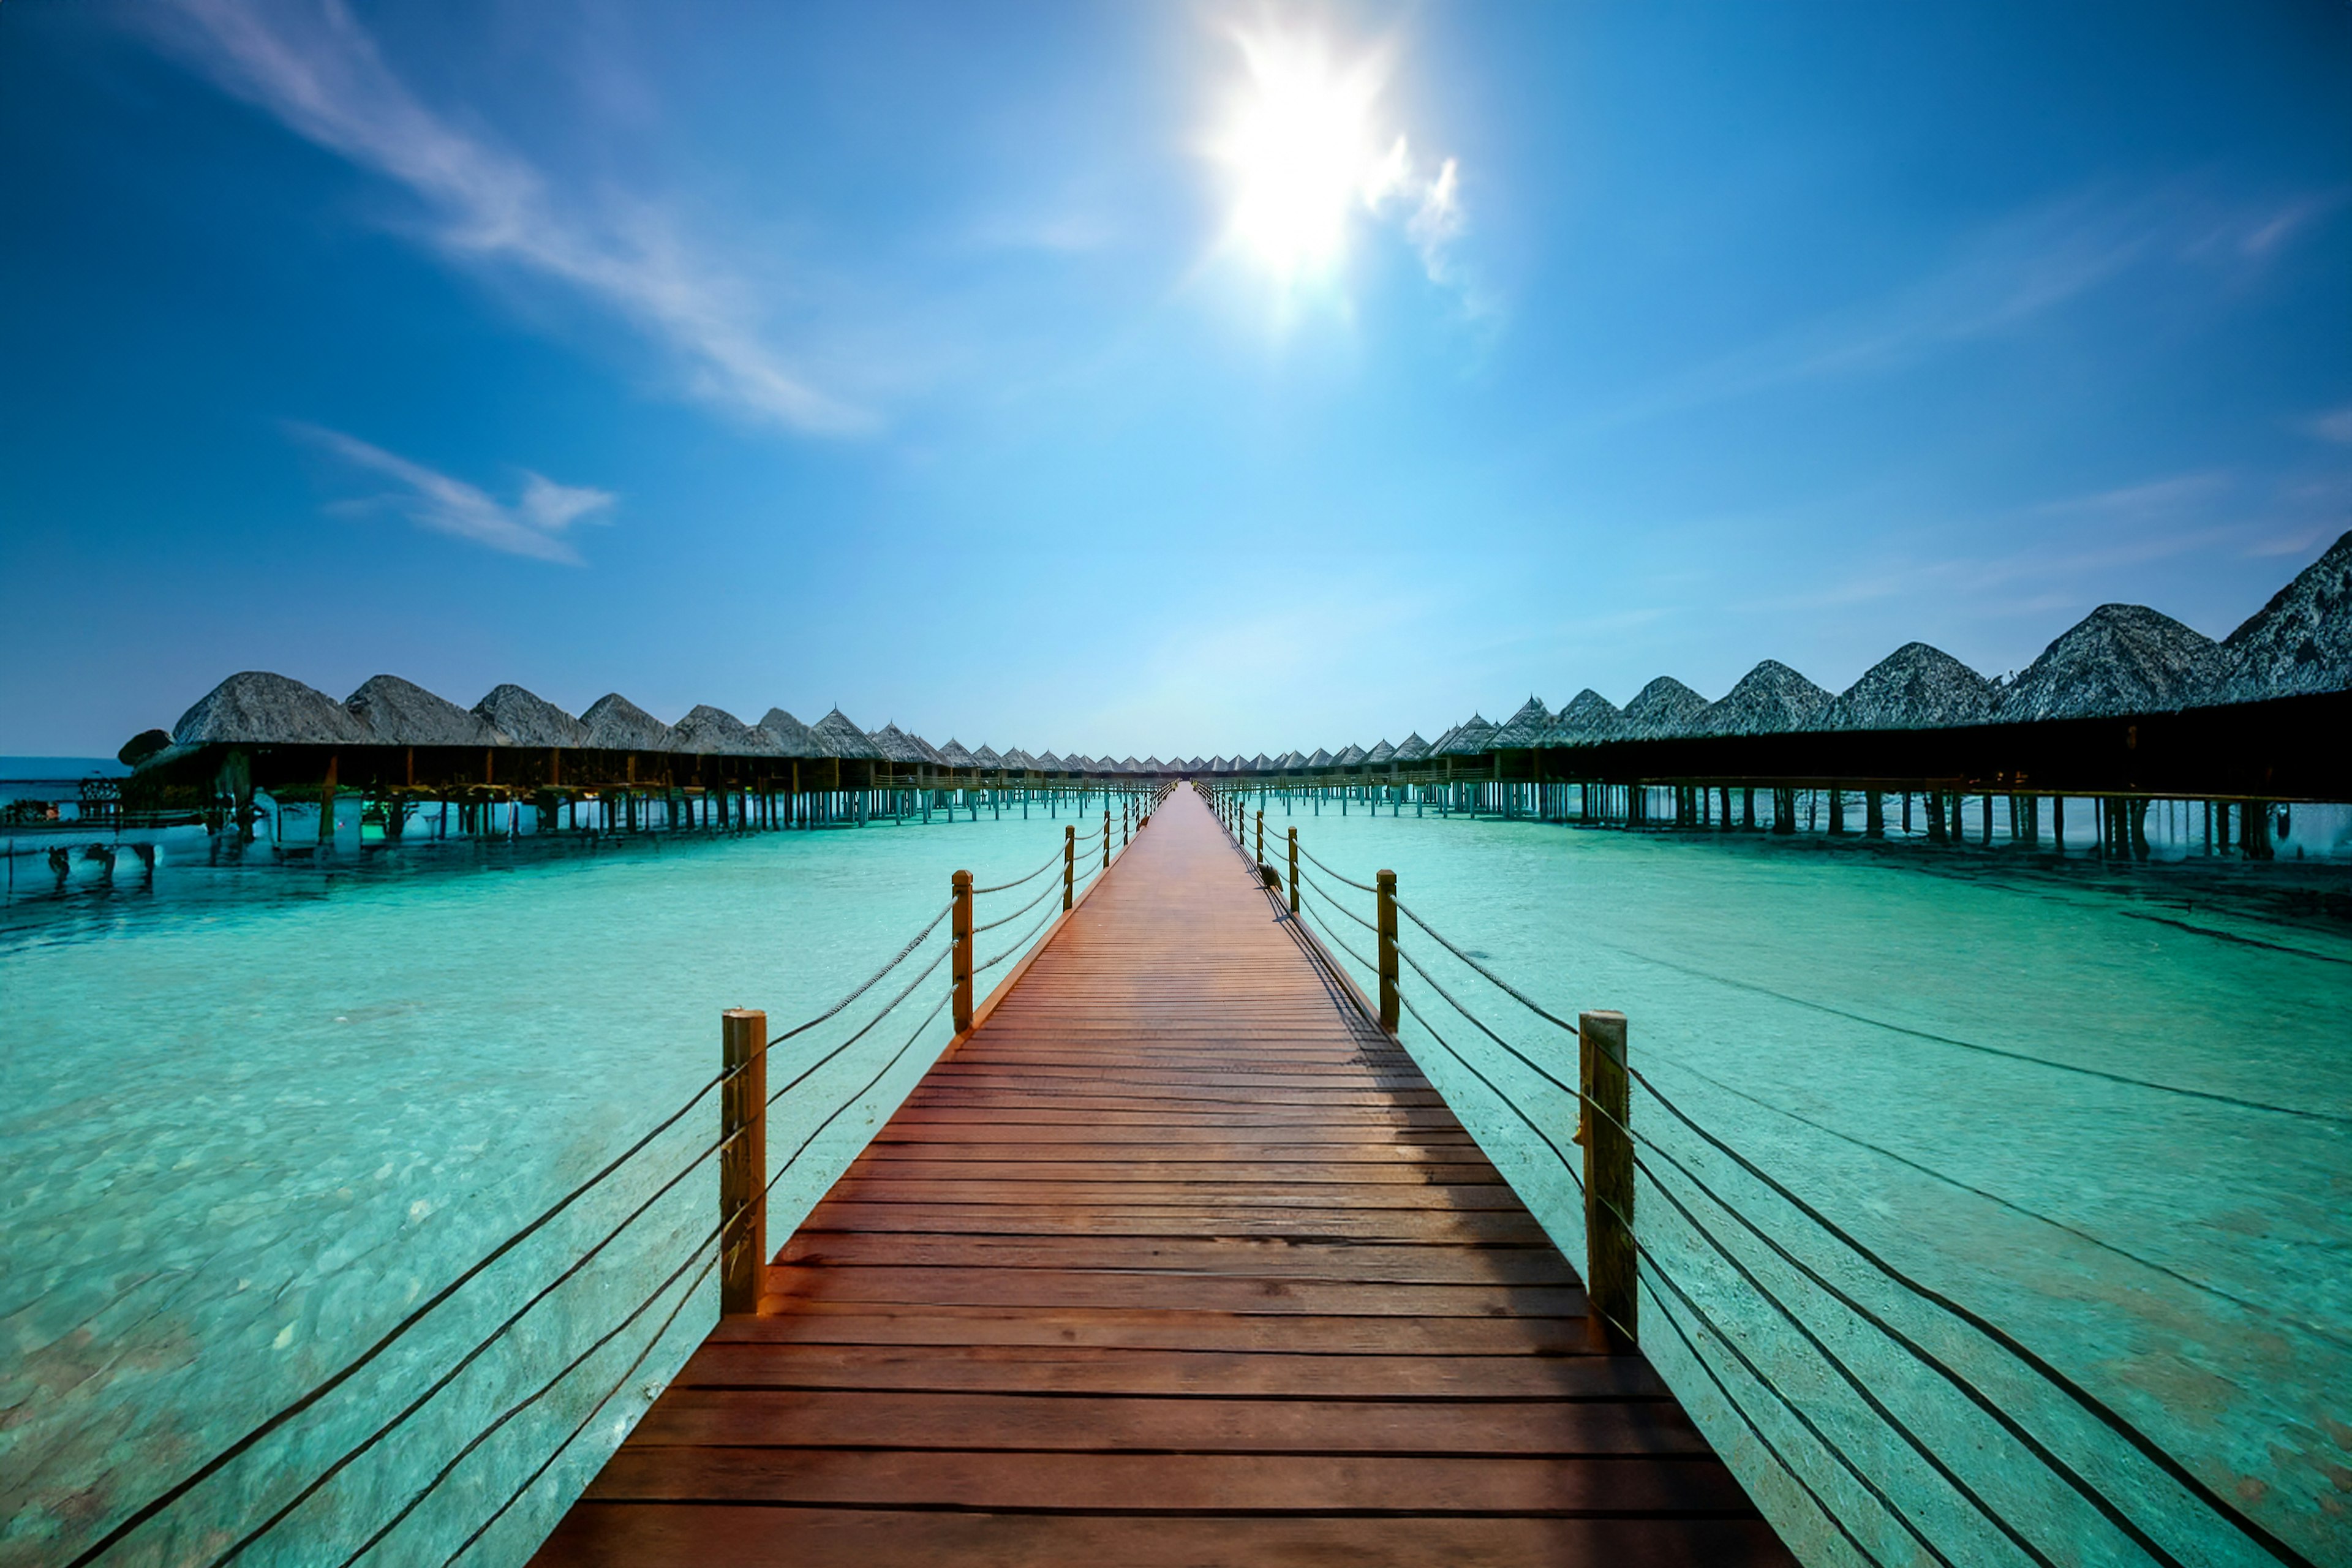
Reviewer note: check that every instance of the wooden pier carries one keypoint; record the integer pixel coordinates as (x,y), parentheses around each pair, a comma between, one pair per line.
(1176,1258)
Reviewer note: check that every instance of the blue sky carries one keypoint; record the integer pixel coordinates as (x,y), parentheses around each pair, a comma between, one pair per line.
(1151,378)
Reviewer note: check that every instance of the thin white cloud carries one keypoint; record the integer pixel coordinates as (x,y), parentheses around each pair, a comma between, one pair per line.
(2008,277)
(534,525)
(318,71)
(2334,425)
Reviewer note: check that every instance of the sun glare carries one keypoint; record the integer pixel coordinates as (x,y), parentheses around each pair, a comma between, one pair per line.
(1303,154)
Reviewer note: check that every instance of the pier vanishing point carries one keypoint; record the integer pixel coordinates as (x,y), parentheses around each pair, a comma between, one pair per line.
(1174,1257)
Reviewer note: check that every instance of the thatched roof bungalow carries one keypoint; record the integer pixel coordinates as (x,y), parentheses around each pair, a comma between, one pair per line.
(1383,752)
(526,719)
(616,724)
(402,713)
(256,708)
(1587,718)
(2301,642)
(1413,748)
(1663,709)
(954,755)
(894,745)
(1524,730)
(1770,700)
(844,739)
(1467,739)
(2119,658)
(1914,688)
(710,731)
(792,738)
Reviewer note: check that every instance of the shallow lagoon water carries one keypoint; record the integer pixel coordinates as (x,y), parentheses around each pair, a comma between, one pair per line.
(2112,1113)
(253,1115)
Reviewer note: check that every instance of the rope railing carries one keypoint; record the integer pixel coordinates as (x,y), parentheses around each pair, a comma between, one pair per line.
(1670,1174)
(438,1385)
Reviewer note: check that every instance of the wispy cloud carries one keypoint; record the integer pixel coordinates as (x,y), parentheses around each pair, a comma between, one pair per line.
(2334,425)
(318,71)
(534,525)
(2008,277)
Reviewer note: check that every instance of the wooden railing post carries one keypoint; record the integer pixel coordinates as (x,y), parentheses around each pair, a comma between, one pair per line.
(959,932)
(1261,837)
(743,1160)
(1386,882)
(1294,872)
(1069,865)
(1606,1119)
(1105,864)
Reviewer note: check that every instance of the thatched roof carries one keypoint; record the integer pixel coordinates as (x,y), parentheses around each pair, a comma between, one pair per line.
(1348,755)
(1020,761)
(1321,759)
(1196,765)
(1524,730)
(402,713)
(1467,739)
(1588,717)
(989,757)
(1770,700)
(953,756)
(1413,748)
(256,708)
(1663,708)
(616,724)
(844,739)
(1914,688)
(895,745)
(526,719)
(1383,752)
(715,732)
(1261,763)
(1130,765)
(2302,640)
(2119,658)
(793,738)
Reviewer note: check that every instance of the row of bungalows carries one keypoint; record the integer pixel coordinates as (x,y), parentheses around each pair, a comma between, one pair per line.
(616,764)
(2126,702)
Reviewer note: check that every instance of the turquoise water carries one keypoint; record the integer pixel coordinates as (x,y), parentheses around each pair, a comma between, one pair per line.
(254,1114)
(2111,1112)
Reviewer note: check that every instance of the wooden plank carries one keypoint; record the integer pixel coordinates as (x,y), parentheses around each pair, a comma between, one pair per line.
(1178,1259)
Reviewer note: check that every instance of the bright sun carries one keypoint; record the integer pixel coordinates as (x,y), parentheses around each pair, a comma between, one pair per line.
(1301,146)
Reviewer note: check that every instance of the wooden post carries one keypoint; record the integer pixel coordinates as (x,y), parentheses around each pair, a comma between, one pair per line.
(1261,837)
(959,932)
(1386,882)
(1610,1269)
(1105,864)
(1069,865)
(1873,813)
(327,804)
(1294,873)
(742,1161)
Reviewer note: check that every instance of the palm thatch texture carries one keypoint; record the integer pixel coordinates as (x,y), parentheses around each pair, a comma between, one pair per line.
(1349,756)
(2119,658)
(1413,748)
(616,724)
(714,732)
(894,745)
(793,738)
(1770,700)
(256,708)
(1914,688)
(1663,708)
(953,756)
(1467,739)
(526,719)
(989,757)
(1321,759)
(1261,763)
(1383,752)
(844,739)
(1020,761)
(2302,640)
(1588,717)
(1130,765)
(402,713)
(1524,730)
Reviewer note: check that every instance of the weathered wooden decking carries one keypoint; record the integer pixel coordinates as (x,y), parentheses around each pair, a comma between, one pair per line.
(1178,1261)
